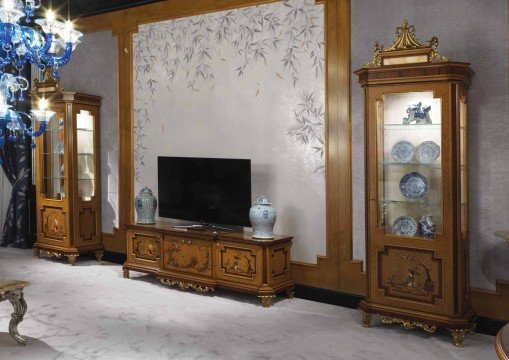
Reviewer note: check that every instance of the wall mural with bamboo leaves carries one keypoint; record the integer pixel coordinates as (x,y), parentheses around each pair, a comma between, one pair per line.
(245,83)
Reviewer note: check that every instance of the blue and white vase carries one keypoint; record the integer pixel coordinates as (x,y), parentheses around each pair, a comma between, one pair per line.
(263,218)
(146,205)
(427,226)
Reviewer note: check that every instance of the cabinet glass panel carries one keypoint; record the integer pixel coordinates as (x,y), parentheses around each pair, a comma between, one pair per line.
(53,158)
(410,164)
(86,164)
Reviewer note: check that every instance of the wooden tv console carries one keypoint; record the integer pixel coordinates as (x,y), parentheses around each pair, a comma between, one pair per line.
(205,260)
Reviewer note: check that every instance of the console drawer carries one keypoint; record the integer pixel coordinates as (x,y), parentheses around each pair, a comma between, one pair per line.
(143,248)
(240,263)
(187,255)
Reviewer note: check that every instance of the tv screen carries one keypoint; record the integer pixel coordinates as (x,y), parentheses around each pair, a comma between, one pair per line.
(214,191)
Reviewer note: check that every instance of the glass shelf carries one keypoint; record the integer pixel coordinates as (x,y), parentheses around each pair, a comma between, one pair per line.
(411,202)
(85,130)
(86,154)
(53,153)
(53,178)
(432,165)
(86,179)
(412,127)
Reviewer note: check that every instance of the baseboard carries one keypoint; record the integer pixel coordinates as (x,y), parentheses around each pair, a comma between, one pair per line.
(484,325)
(113,257)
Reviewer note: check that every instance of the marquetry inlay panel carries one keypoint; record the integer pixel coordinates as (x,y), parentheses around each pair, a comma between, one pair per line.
(88,224)
(239,263)
(145,247)
(193,256)
(411,274)
(53,223)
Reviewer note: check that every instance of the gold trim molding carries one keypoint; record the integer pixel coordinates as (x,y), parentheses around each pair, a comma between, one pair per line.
(186,285)
(406,40)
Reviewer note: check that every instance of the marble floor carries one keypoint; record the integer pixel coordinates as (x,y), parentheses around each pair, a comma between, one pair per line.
(90,312)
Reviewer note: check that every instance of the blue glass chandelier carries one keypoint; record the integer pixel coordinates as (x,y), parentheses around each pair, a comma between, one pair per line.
(45,43)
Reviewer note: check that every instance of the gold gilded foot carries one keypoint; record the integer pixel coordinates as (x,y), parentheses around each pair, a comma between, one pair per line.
(366,319)
(37,253)
(266,300)
(99,255)
(472,330)
(290,293)
(126,273)
(72,259)
(458,336)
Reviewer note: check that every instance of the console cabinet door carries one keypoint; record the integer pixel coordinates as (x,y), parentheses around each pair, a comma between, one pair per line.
(193,256)
(240,263)
(143,248)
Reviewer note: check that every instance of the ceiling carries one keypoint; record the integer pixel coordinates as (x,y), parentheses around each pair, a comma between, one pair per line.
(82,8)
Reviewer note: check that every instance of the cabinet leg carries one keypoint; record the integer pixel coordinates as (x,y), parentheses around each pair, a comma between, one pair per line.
(366,319)
(266,300)
(458,336)
(126,273)
(72,259)
(37,253)
(99,255)
(473,329)
(20,308)
(290,293)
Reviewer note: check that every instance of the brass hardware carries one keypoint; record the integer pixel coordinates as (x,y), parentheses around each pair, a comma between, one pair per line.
(266,300)
(186,285)
(458,336)
(366,319)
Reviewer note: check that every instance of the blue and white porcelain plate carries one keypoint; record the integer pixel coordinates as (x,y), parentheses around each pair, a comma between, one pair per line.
(427,152)
(403,152)
(414,186)
(405,226)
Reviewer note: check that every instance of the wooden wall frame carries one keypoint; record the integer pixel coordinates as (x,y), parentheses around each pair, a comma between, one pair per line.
(334,271)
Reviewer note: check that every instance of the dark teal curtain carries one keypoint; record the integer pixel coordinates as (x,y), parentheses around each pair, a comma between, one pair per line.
(15,158)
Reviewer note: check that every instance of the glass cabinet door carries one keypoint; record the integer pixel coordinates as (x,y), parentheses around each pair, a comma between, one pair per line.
(409,164)
(86,161)
(53,165)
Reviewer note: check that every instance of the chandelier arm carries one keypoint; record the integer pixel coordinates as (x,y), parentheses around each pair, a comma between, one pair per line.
(28,132)
(43,49)
(66,57)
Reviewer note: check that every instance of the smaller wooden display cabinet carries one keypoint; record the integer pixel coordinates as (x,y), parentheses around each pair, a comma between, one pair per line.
(205,260)
(67,175)
(417,187)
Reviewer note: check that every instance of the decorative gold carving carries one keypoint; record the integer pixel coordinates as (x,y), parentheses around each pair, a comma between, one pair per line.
(50,254)
(146,247)
(266,300)
(408,325)
(72,259)
(186,285)
(99,255)
(406,40)
(458,336)
(180,252)
(366,319)
(125,273)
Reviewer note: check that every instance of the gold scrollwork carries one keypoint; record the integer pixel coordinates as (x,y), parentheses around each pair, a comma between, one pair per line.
(408,325)
(266,300)
(50,254)
(185,285)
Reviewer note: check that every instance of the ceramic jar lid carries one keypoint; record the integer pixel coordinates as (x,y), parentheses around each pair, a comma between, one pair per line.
(262,200)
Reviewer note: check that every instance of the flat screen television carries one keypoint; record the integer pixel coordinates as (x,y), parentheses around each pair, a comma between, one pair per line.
(205,190)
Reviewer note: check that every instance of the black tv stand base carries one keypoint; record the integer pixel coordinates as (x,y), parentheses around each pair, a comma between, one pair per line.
(203,227)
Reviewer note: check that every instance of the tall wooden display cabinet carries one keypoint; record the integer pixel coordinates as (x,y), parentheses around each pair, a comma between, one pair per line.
(67,176)
(417,187)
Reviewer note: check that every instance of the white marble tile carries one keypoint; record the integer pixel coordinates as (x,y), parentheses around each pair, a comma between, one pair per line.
(90,312)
